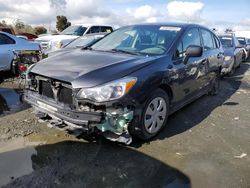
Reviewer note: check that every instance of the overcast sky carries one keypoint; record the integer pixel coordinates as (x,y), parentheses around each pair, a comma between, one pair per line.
(212,13)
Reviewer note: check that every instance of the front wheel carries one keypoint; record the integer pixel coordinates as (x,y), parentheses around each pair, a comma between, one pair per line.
(154,114)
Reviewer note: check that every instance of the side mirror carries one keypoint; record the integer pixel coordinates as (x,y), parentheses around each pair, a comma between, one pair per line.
(193,51)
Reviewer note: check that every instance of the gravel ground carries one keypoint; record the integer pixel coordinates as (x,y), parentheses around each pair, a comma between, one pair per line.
(206,144)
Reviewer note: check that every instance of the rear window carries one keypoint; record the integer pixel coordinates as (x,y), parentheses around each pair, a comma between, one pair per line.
(226,41)
(4,39)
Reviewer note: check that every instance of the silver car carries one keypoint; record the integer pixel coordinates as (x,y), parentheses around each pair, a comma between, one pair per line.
(10,43)
(233,52)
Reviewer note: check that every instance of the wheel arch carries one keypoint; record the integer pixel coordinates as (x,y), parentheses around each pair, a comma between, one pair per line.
(168,90)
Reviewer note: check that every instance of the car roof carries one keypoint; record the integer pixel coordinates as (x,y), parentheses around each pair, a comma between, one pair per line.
(90,25)
(171,24)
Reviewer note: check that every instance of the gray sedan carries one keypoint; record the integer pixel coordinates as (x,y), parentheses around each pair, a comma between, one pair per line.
(10,43)
(233,52)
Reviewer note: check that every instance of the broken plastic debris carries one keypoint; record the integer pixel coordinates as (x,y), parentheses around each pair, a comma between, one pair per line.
(240,156)
(178,154)
(236,118)
(213,124)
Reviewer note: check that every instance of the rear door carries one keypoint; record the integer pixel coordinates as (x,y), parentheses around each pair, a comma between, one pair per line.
(6,55)
(212,57)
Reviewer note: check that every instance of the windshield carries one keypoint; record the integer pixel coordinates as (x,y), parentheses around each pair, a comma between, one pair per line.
(226,41)
(74,30)
(242,41)
(147,39)
(84,41)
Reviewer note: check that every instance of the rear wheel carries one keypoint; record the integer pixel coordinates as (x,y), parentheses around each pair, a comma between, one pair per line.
(154,114)
(231,73)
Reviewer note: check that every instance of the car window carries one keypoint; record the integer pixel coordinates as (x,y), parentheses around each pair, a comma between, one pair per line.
(192,37)
(226,41)
(216,42)
(4,39)
(94,29)
(74,30)
(106,29)
(242,41)
(207,40)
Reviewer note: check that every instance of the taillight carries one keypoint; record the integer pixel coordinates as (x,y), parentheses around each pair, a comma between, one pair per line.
(22,68)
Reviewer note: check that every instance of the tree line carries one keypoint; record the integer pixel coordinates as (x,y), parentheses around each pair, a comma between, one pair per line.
(20,27)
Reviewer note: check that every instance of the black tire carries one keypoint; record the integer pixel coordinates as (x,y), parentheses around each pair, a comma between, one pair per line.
(141,131)
(215,86)
(14,69)
(231,73)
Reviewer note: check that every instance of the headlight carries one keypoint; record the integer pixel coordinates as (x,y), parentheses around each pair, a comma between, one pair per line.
(109,91)
(58,44)
(227,58)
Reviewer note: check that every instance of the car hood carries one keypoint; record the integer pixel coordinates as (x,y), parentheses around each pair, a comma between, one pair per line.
(85,68)
(56,37)
(229,51)
(61,51)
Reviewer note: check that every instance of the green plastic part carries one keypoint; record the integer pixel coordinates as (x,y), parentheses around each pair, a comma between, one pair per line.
(116,123)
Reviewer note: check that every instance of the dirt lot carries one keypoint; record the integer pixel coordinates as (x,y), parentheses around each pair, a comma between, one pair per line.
(206,144)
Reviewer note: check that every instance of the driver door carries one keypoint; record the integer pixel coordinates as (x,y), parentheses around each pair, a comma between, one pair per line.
(187,83)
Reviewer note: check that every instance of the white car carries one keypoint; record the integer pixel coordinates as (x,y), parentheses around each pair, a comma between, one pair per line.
(10,43)
(52,43)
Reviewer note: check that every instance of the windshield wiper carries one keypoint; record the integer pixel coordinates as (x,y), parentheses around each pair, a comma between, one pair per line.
(85,48)
(124,51)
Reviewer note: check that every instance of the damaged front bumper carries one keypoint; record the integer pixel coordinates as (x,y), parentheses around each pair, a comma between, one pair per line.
(113,122)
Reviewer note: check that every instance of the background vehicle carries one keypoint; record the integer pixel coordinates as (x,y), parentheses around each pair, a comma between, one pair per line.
(243,43)
(55,42)
(7,30)
(80,42)
(129,82)
(234,53)
(10,43)
(29,36)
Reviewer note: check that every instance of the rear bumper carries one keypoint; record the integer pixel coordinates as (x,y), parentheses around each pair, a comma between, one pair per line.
(61,111)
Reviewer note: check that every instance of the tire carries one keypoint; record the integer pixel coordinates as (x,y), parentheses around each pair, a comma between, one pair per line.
(150,112)
(215,86)
(14,69)
(231,73)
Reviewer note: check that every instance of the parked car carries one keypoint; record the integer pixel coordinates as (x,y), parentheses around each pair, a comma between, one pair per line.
(233,52)
(80,42)
(55,42)
(9,30)
(243,43)
(129,82)
(10,43)
(29,36)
